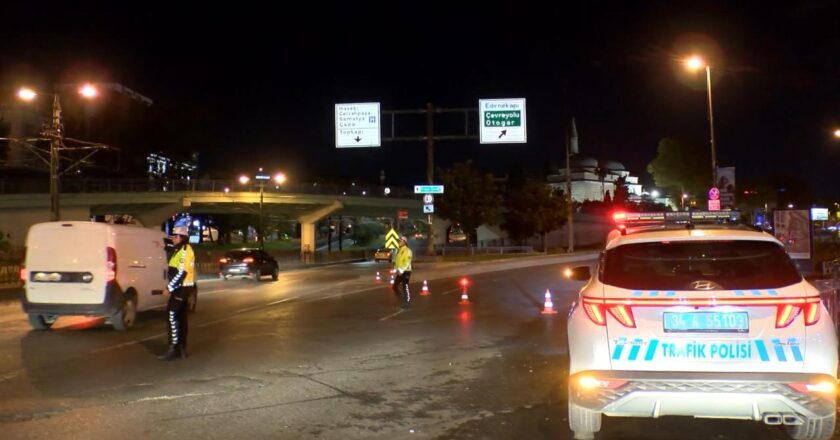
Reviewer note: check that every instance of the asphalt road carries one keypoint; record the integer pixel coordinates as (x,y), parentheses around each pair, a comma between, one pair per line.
(322,353)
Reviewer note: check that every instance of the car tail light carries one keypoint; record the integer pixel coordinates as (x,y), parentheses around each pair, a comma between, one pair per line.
(824,387)
(589,382)
(595,312)
(248,260)
(111,264)
(23,273)
(223,260)
(623,314)
(812,313)
(787,313)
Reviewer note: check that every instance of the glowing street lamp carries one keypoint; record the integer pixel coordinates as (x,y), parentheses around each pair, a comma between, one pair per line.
(56,135)
(837,133)
(262,177)
(243,179)
(695,63)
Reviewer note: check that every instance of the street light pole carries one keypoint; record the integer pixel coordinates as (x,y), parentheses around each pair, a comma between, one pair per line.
(711,125)
(262,232)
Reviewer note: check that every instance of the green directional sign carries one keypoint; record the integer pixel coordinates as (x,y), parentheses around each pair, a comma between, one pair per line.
(507,118)
(392,239)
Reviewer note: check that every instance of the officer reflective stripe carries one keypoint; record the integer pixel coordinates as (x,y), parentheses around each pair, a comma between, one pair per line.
(634,352)
(762,350)
(794,348)
(651,349)
(780,351)
(619,347)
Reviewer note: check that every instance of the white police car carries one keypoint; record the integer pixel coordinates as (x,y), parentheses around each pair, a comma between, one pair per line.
(691,315)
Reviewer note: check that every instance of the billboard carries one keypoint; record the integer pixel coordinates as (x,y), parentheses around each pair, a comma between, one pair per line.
(819,214)
(726,184)
(793,228)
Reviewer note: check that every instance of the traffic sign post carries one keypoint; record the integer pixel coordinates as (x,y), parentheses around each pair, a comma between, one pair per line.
(714,199)
(392,239)
(502,121)
(428,199)
(357,125)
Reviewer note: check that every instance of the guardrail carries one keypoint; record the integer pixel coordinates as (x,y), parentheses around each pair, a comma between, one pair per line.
(443,250)
(77,185)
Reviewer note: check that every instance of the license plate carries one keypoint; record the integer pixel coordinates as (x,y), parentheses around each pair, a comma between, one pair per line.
(706,322)
(235,269)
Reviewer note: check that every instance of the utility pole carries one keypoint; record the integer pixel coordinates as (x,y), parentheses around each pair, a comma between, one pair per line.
(56,139)
(569,213)
(430,170)
(430,139)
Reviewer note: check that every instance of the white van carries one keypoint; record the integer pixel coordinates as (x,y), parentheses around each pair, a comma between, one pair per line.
(93,269)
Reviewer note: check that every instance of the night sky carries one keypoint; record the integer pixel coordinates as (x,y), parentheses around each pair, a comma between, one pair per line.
(250,86)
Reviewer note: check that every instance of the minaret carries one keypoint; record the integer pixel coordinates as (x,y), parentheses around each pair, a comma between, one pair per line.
(573,141)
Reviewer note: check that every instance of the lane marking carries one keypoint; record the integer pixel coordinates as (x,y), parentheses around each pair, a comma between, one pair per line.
(392,315)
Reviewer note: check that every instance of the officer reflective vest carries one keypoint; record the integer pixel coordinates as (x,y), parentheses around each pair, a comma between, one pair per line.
(403,260)
(182,263)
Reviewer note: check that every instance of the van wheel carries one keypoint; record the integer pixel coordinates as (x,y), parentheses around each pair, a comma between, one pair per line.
(583,422)
(125,317)
(42,322)
(276,274)
(816,428)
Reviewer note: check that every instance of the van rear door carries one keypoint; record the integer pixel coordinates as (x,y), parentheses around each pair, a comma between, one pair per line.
(66,263)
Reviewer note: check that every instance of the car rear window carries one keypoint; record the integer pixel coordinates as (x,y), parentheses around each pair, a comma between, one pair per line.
(737,264)
(238,255)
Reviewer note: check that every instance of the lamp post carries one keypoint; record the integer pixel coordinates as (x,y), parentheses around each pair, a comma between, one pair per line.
(695,63)
(262,177)
(55,132)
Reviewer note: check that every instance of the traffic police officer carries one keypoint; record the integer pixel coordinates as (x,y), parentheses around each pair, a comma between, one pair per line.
(181,289)
(402,265)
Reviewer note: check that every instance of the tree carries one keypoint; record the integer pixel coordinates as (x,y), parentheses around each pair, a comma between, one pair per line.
(621,193)
(534,209)
(470,198)
(602,172)
(682,166)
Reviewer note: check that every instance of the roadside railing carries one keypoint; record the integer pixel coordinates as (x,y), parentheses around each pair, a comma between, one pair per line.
(84,185)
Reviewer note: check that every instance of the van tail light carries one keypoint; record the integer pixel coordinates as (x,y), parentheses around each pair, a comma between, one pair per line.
(248,260)
(223,260)
(23,274)
(111,264)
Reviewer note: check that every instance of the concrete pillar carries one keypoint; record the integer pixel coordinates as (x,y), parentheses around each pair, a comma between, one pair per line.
(307,242)
(307,229)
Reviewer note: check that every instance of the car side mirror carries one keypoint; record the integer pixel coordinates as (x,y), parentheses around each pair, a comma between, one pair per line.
(580,273)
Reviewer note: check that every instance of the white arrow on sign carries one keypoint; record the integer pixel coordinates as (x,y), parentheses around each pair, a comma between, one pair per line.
(428,209)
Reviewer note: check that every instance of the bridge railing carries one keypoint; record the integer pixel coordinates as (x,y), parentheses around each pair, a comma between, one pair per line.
(84,185)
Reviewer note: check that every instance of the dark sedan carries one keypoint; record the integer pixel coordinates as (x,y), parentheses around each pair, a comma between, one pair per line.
(250,263)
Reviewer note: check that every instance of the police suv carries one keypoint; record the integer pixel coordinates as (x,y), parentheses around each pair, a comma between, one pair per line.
(690,314)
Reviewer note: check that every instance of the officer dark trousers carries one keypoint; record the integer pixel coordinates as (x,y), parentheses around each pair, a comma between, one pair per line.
(401,287)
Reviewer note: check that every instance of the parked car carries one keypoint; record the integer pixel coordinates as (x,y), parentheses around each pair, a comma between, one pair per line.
(383,254)
(248,263)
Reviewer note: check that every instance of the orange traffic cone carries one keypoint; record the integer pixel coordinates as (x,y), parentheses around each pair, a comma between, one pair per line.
(378,278)
(425,290)
(392,279)
(548,307)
